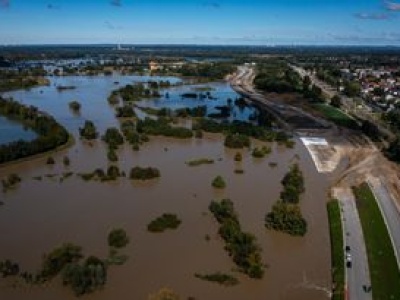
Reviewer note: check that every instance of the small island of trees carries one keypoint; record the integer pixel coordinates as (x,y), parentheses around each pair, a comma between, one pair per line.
(218,182)
(118,238)
(261,152)
(221,278)
(139,173)
(164,222)
(237,141)
(113,173)
(286,214)
(88,131)
(10,182)
(82,275)
(75,106)
(199,162)
(161,127)
(242,246)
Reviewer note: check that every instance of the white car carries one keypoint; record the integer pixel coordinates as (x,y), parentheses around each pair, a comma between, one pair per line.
(348,260)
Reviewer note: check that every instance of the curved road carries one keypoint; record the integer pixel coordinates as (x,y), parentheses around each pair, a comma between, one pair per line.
(358,276)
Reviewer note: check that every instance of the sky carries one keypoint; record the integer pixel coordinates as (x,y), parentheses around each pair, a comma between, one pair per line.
(215,22)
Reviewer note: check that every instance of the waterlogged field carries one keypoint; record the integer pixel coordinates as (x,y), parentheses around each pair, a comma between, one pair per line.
(41,214)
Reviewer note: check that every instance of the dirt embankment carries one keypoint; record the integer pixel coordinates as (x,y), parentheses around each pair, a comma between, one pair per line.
(364,160)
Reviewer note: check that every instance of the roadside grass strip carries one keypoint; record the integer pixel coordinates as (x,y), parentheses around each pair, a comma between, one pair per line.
(385,274)
(335,115)
(337,250)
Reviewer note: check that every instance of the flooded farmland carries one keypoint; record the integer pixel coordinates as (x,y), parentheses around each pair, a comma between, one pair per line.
(40,215)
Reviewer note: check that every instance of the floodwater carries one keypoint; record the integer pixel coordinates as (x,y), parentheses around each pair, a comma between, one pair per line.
(11,131)
(41,215)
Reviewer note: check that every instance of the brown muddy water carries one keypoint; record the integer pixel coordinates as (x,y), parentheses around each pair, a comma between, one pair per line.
(41,215)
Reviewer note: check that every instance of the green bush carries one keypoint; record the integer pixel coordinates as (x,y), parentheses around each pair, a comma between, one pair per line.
(139,173)
(240,245)
(166,221)
(88,131)
(60,257)
(118,238)
(218,183)
(199,162)
(113,137)
(237,141)
(261,152)
(293,185)
(161,127)
(125,111)
(287,218)
(221,278)
(75,106)
(238,156)
(112,155)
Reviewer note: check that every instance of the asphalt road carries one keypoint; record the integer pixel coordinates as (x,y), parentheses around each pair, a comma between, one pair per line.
(358,275)
(389,212)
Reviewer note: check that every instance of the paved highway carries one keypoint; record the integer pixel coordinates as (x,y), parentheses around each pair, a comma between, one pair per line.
(357,276)
(389,212)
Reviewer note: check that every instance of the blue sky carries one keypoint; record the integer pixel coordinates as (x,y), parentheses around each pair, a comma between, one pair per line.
(223,22)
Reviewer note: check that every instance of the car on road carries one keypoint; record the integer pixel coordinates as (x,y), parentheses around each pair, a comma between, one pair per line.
(348,260)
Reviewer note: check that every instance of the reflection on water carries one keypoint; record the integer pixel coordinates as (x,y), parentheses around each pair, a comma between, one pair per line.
(42,214)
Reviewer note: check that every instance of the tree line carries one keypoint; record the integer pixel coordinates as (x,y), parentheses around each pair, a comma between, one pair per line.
(50,133)
(286,215)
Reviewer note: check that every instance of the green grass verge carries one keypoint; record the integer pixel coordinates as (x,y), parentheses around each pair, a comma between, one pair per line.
(335,115)
(385,274)
(337,249)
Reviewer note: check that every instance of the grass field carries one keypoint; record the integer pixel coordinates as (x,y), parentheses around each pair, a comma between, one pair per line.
(385,274)
(337,250)
(335,115)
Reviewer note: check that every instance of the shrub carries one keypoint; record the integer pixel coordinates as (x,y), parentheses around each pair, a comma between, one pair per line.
(238,156)
(218,183)
(237,141)
(112,155)
(241,246)
(221,278)
(60,257)
(287,218)
(166,221)
(118,238)
(293,185)
(88,131)
(75,106)
(261,152)
(113,137)
(138,173)
(198,162)
(125,111)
